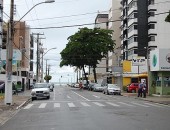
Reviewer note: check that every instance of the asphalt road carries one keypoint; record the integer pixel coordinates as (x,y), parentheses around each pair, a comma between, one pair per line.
(73,109)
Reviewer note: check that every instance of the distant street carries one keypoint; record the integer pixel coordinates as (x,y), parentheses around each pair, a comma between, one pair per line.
(74,109)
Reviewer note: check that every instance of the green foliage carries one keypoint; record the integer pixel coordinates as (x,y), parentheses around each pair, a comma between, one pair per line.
(87,47)
(167,19)
(48,77)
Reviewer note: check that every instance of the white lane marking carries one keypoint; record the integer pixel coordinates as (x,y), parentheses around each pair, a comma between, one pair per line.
(154,105)
(71,105)
(139,104)
(85,104)
(96,96)
(81,96)
(112,104)
(99,104)
(56,105)
(68,97)
(43,105)
(126,104)
(28,106)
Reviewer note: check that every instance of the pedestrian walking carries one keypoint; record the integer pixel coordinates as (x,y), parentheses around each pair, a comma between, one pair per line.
(140,87)
(144,90)
(81,85)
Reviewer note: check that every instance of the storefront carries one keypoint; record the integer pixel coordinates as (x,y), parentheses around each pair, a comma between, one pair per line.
(160,72)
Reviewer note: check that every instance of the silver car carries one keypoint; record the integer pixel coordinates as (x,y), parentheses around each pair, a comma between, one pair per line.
(98,88)
(40,90)
(112,89)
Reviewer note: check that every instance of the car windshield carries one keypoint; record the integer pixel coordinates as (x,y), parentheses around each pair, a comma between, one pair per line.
(112,86)
(41,85)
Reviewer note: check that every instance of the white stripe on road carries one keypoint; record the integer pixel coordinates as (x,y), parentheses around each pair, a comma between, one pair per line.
(81,96)
(96,96)
(85,104)
(99,104)
(43,105)
(68,97)
(54,94)
(112,104)
(71,105)
(126,104)
(154,105)
(28,106)
(56,105)
(139,104)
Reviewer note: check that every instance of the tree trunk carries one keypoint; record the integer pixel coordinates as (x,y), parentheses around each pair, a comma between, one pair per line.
(85,76)
(94,72)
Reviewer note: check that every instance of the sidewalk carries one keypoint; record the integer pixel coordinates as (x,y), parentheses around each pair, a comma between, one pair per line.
(6,112)
(156,99)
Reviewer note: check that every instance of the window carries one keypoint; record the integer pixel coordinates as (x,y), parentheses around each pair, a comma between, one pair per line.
(132,27)
(151,26)
(151,2)
(133,39)
(151,14)
(152,38)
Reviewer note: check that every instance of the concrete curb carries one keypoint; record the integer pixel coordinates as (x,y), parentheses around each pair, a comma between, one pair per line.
(145,99)
(24,103)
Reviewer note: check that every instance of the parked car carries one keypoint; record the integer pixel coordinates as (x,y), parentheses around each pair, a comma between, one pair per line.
(2,86)
(98,88)
(40,90)
(112,89)
(72,85)
(76,85)
(91,86)
(132,88)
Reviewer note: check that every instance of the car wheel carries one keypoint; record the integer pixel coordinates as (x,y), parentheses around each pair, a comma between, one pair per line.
(107,93)
(48,97)
(133,91)
(34,98)
(103,92)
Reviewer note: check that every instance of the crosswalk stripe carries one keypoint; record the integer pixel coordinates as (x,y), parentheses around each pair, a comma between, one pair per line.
(112,104)
(43,105)
(99,104)
(28,106)
(152,105)
(71,105)
(56,105)
(85,104)
(126,104)
(139,104)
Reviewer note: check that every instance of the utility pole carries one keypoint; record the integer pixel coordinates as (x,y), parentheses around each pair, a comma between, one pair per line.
(1,29)
(8,84)
(38,56)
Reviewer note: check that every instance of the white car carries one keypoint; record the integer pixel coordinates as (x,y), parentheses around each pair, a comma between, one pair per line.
(40,90)
(112,89)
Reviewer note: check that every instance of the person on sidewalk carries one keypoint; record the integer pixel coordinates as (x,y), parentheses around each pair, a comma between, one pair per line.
(80,85)
(140,88)
(144,90)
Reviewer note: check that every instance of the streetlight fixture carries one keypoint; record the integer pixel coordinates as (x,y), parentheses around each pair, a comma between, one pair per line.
(46,62)
(9,46)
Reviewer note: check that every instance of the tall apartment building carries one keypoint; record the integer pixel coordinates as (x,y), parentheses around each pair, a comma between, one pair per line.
(143,29)
(114,58)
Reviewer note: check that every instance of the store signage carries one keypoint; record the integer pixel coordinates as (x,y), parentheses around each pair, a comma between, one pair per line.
(138,61)
(160,60)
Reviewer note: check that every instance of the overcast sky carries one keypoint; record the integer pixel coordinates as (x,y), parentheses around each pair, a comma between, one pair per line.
(58,14)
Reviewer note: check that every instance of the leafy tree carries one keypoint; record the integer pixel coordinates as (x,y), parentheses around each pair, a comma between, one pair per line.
(167,19)
(87,47)
(47,78)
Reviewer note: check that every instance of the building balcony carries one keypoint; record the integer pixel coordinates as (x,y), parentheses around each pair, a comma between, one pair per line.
(131,21)
(121,52)
(121,42)
(152,43)
(125,39)
(131,10)
(132,45)
(152,19)
(152,31)
(122,23)
(151,7)
(133,32)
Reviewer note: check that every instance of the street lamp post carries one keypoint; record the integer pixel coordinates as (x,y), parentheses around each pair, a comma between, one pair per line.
(8,83)
(46,62)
